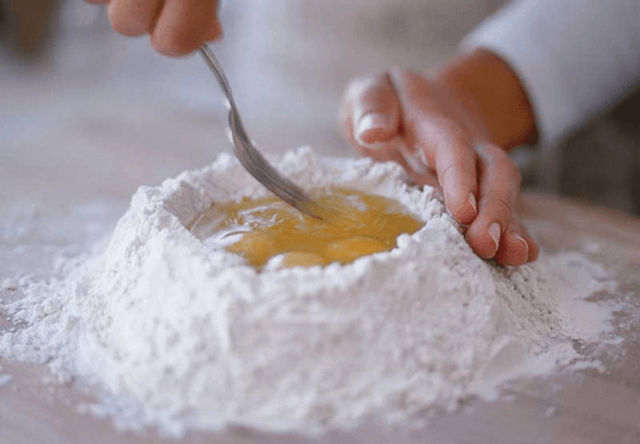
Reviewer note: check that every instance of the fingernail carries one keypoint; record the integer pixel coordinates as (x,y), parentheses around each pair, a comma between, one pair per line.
(494,232)
(474,204)
(520,239)
(372,121)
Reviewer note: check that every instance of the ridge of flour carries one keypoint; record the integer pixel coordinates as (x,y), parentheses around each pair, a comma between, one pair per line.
(175,333)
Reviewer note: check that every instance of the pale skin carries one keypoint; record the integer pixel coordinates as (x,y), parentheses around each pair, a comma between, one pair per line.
(456,126)
(176,27)
(460,124)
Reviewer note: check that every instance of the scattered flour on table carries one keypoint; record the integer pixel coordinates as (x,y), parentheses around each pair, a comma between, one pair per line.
(5,379)
(9,284)
(175,333)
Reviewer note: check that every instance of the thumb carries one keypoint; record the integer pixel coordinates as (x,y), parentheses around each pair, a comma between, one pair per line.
(375,110)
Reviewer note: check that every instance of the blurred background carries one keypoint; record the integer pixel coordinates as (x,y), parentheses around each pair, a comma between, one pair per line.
(87,114)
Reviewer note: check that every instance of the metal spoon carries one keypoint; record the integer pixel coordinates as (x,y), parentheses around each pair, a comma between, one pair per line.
(250,157)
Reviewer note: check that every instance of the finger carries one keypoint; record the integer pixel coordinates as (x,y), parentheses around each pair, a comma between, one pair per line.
(419,176)
(455,167)
(379,150)
(534,250)
(374,109)
(394,150)
(499,183)
(514,248)
(97,2)
(447,146)
(415,163)
(382,152)
(133,17)
(184,25)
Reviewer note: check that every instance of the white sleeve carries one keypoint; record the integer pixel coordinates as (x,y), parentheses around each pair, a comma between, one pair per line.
(575,58)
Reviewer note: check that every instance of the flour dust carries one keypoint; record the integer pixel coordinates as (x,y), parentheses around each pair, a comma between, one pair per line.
(176,334)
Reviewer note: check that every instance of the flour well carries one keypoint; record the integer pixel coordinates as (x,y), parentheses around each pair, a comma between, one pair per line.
(181,335)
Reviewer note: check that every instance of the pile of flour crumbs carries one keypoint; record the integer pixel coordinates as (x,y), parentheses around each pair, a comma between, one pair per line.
(175,333)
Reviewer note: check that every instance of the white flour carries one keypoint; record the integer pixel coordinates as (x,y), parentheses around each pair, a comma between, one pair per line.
(181,336)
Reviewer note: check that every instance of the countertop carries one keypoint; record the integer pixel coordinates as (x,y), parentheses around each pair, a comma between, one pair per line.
(578,406)
(81,133)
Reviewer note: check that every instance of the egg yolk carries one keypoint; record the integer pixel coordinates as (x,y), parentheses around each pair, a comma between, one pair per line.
(263,229)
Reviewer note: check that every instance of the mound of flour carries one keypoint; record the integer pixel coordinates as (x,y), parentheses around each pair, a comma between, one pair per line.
(174,333)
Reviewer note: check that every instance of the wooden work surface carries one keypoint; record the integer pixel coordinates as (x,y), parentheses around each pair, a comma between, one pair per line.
(585,406)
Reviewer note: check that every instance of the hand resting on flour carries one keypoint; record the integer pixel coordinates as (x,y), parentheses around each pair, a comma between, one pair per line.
(453,130)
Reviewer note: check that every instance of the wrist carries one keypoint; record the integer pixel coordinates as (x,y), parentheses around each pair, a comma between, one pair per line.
(495,103)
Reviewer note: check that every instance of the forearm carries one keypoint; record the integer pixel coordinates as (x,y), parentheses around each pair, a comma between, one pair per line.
(495,102)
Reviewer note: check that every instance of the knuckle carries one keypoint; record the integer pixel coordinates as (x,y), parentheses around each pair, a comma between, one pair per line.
(501,206)
(354,91)
(354,85)
(398,73)
(125,25)
(452,135)
(367,89)
(511,170)
(503,163)
(459,139)
(454,152)
(360,85)
(406,76)
(490,153)
(171,43)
